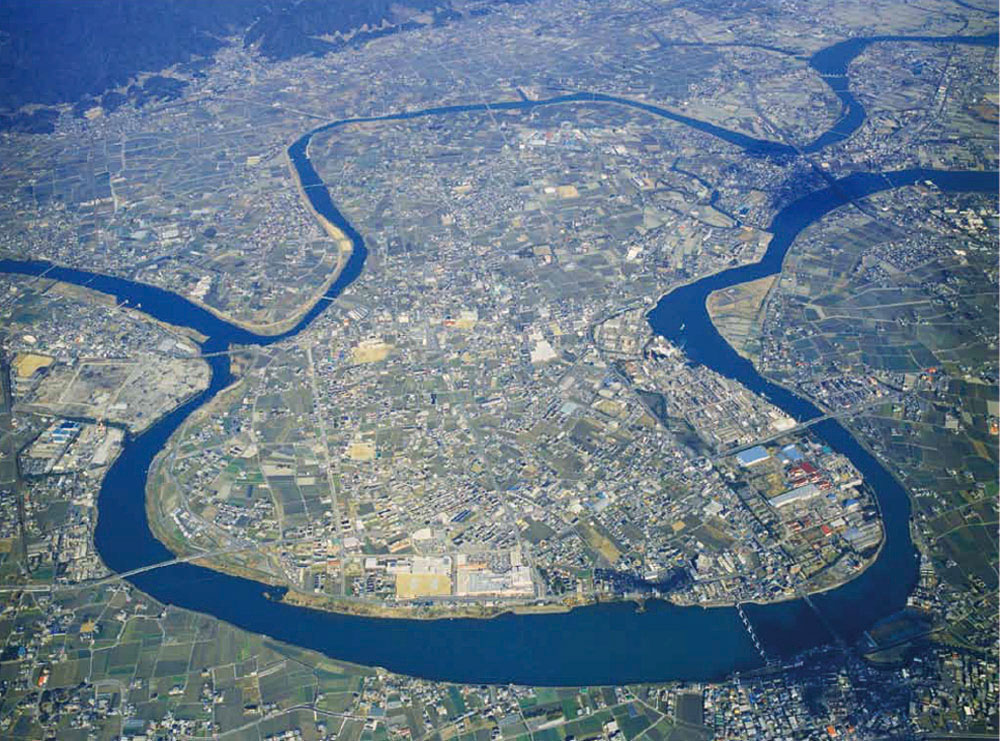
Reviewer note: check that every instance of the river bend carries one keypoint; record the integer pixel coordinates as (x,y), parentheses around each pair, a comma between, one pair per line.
(600,644)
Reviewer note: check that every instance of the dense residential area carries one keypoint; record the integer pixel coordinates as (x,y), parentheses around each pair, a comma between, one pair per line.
(500,371)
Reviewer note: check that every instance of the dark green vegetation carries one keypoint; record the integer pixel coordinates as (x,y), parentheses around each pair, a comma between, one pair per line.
(89,54)
(900,296)
(105,654)
(63,51)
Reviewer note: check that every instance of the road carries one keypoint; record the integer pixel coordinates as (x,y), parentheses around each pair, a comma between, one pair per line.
(123,574)
(10,456)
(328,465)
(804,425)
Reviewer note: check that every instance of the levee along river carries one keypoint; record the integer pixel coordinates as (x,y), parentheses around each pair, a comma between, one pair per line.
(600,644)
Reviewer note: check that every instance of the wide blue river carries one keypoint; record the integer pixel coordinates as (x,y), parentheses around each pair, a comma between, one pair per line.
(600,644)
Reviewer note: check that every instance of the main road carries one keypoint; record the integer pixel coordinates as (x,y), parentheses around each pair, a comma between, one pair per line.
(602,644)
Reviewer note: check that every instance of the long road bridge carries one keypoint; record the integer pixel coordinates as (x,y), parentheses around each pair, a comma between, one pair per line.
(118,576)
(804,425)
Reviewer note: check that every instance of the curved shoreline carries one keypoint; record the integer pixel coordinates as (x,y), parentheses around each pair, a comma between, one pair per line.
(432,651)
(280,326)
(454,650)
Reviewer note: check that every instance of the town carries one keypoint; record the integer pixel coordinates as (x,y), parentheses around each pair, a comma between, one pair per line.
(485,421)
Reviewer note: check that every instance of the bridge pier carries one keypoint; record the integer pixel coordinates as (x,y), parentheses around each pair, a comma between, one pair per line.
(752,633)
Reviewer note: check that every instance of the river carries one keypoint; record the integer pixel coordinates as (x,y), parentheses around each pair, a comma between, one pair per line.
(600,644)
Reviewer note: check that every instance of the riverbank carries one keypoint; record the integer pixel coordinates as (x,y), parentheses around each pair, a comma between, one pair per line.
(348,606)
(345,248)
(598,644)
(161,498)
(278,328)
(87,293)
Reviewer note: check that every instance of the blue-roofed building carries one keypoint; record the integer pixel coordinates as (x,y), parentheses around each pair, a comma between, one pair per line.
(752,456)
(792,453)
(798,494)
